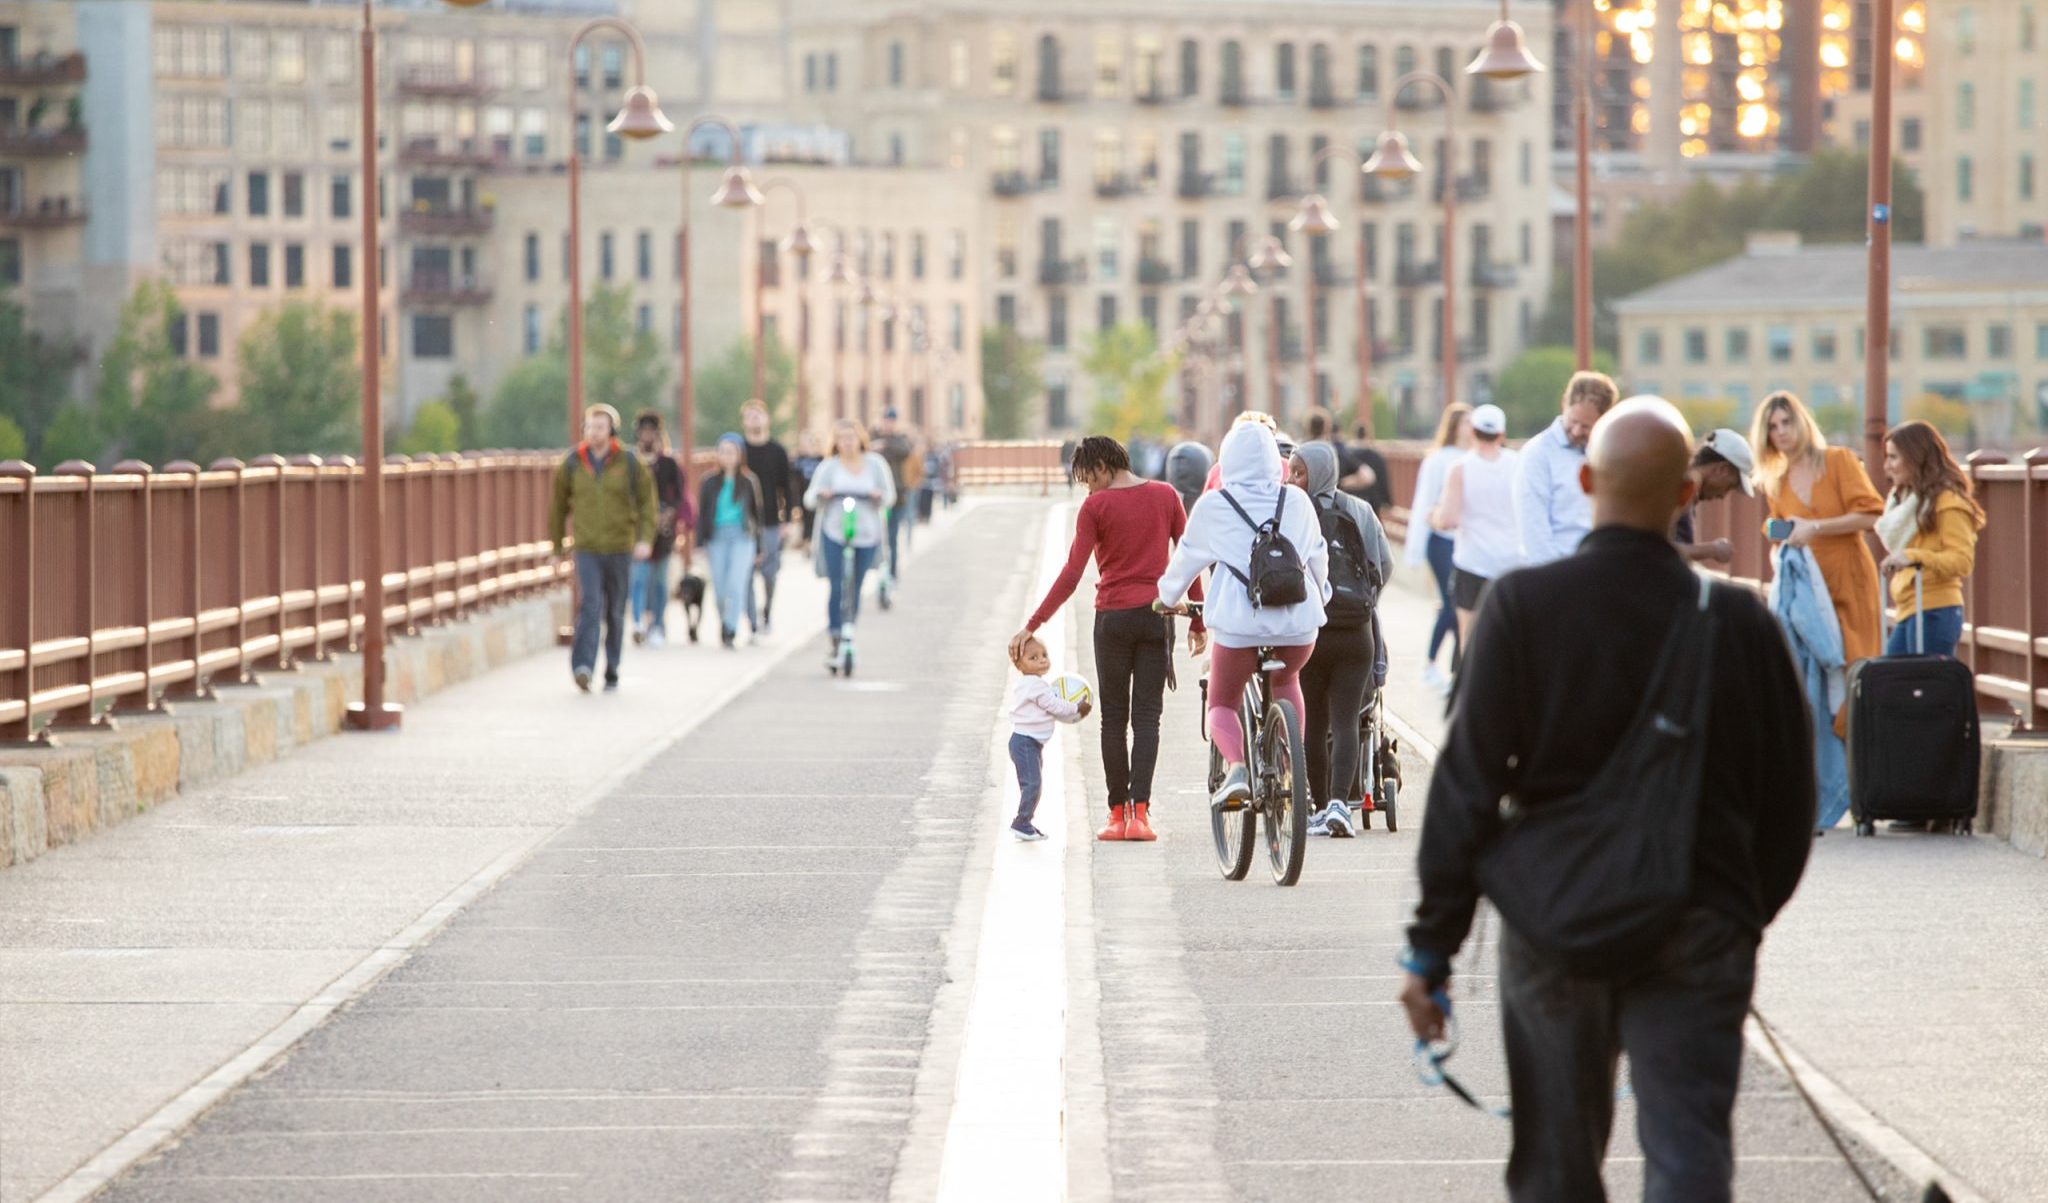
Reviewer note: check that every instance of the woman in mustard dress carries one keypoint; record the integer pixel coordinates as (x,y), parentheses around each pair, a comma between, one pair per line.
(1831,503)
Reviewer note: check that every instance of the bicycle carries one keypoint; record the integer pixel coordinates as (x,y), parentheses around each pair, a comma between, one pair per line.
(842,660)
(1276,762)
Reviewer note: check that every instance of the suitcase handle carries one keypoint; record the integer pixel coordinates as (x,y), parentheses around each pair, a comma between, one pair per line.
(1919,609)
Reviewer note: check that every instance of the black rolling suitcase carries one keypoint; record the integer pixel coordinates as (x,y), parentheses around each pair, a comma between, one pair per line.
(1913,742)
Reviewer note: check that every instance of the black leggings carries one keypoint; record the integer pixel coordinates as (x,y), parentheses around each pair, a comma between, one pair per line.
(1131,653)
(1334,685)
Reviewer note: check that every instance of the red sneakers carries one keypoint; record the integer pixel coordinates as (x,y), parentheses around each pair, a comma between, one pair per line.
(1118,825)
(1140,825)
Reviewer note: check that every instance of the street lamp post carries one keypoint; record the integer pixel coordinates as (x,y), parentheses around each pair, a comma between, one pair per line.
(1392,160)
(1877,297)
(373,713)
(1316,220)
(735,191)
(837,279)
(1240,283)
(875,308)
(639,119)
(1582,226)
(799,245)
(1507,58)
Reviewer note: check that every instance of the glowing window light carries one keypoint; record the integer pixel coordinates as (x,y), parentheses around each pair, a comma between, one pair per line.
(1834,54)
(1693,149)
(1914,19)
(1753,121)
(1750,87)
(1640,47)
(1908,51)
(1639,121)
(1699,49)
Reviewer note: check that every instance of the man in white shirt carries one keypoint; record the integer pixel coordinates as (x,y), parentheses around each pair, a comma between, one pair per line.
(1552,512)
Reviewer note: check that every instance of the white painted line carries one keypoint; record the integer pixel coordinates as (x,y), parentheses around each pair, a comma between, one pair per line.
(1006,1134)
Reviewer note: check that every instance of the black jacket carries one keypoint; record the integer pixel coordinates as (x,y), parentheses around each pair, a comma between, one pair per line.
(1557,665)
(749,490)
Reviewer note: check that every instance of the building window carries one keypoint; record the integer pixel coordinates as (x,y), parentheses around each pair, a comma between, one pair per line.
(895,64)
(810,73)
(2026,104)
(1148,312)
(1966,106)
(607,262)
(1108,239)
(433,336)
(294,265)
(1650,347)
(532,257)
(259,265)
(1105,312)
(1049,68)
(1695,345)
(2041,340)
(1190,67)
(1006,311)
(2027,177)
(1231,90)
(644,319)
(1283,71)
(10,260)
(177,333)
(1963,178)
(1233,164)
(1998,340)
(1824,346)
(960,64)
(294,194)
(1056,406)
(223,271)
(1049,157)
(339,197)
(1368,73)
(259,194)
(1947,342)
(343,273)
(1003,64)
(1109,66)
(643,255)
(1190,248)
(917,245)
(1909,134)
(1737,349)
(1778,342)
(1056,321)
(209,336)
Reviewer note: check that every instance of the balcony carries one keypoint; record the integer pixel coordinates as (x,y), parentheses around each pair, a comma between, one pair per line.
(1377,191)
(445,289)
(1324,97)
(1494,275)
(1282,188)
(1329,275)
(1233,96)
(1057,272)
(42,71)
(1470,188)
(48,213)
(1291,350)
(1115,187)
(1051,91)
(1012,184)
(1153,273)
(1417,275)
(1471,348)
(465,152)
(1416,100)
(429,222)
(1490,97)
(22,142)
(1196,185)
(440,82)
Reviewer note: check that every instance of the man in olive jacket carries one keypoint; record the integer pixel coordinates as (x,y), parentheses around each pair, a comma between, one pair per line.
(611,495)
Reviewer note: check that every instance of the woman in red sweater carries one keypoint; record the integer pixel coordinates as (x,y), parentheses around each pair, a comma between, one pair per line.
(1129,526)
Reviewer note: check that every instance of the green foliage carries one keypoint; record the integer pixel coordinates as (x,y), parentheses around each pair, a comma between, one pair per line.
(154,405)
(622,367)
(1010,378)
(13,440)
(531,409)
(435,428)
(1531,389)
(1949,416)
(1842,423)
(726,382)
(34,374)
(1132,381)
(1824,202)
(72,434)
(463,402)
(1703,414)
(301,388)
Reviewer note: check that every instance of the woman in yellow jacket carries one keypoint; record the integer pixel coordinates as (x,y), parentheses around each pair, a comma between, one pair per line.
(1929,529)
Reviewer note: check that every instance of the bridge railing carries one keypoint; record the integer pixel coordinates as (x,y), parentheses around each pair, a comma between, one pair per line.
(117,588)
(2005,637)
(1023,462)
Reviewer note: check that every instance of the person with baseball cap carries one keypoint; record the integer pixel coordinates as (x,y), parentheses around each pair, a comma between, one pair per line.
(610,494)
(1722,465)
(1478,510)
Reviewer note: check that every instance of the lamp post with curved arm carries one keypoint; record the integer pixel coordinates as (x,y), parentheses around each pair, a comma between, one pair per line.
(876,307)
(1316,221)
(1392,160)
(735,191)
(1241,282)
(641,118)
(837,278)
(799,245)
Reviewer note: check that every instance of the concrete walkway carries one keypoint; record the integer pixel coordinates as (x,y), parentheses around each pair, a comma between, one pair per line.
(150,966)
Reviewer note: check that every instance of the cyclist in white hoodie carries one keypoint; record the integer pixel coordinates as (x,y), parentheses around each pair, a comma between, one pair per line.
(1217,535)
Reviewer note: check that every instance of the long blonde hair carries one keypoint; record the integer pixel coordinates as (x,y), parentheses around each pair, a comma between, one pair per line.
(1455,416)
(1772,464)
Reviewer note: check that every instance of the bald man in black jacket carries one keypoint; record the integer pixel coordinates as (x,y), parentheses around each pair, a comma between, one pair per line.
(1557,668)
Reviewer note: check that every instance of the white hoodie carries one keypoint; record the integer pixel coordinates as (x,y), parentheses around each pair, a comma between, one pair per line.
(1217,535)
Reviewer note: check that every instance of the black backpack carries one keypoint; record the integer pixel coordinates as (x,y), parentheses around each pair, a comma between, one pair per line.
(1354,579)
(1277,577)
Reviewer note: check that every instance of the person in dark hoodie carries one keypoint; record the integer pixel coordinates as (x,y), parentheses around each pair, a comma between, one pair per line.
(1187,468)
(1340,672)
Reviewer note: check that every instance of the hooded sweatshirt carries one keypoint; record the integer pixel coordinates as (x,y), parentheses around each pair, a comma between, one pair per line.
(1322,462)
(1217,535)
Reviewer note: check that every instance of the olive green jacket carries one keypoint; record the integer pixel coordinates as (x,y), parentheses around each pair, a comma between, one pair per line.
(613,510)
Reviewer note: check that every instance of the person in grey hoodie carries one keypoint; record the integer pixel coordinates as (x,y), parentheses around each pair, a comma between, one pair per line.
(1340,673)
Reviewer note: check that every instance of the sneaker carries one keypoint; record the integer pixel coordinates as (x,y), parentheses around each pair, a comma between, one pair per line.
(1025,832)
(1235,790)
(1435,678)
(583,679)
(1319,823)
(639,636)
(611,684)
(1337,819)
(657,639)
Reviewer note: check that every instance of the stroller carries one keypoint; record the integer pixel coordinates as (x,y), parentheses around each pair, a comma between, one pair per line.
(1378,782)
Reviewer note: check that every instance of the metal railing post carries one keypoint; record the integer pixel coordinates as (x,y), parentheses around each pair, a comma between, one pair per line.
(84,568)
(18,608)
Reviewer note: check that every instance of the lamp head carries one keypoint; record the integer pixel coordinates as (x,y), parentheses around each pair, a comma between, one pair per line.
(1506,55)
(641,118)
(1271,256)
(736,190)
(840,274)
(870,296)
(1392,160)
(799,242)
(1315,218)
(1239,282)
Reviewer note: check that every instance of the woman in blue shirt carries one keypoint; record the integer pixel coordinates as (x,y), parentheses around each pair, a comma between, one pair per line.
(729,531)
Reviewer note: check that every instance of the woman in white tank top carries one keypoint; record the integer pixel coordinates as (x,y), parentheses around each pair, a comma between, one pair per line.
(1479,506)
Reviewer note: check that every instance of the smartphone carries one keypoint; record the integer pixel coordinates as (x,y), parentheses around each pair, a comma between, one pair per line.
(1778,529)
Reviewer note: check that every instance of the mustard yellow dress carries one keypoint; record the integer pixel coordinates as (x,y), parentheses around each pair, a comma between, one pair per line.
(1846,565)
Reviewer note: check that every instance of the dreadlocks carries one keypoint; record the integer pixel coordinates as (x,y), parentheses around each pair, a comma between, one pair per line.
(1100,453)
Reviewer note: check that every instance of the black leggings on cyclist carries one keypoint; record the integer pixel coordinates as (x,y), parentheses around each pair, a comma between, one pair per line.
(1334,685)
(1131,654)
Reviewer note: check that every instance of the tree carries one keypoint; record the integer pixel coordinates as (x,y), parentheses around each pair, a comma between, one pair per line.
(154,404)
(726,382)
(72,434)
(1951,418)
(435,428)
(462,401)
(622,367)
(1531,389)
(13,440)
(531,408)
(1010,378)
(1131,382)
(300,383)
(34,373)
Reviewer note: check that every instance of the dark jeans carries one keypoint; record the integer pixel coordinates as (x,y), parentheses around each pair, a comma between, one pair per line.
(1944,631)
(1333,684)
(1131,655)
(898,515)
(1029,757)
(1679,1019)
(840,609)
(602,581)
(1440,551)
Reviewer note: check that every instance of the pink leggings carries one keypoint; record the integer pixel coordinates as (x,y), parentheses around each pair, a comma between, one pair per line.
(1230,669)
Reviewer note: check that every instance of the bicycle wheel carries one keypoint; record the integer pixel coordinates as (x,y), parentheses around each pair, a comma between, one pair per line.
(1233,829)
(1283,789)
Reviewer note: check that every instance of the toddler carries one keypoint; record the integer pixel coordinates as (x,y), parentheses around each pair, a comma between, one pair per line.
(1034,706)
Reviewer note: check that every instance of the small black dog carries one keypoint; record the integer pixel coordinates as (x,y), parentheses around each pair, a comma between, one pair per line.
(690,592)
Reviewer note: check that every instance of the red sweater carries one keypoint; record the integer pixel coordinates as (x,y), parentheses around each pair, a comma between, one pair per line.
(1131,533)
